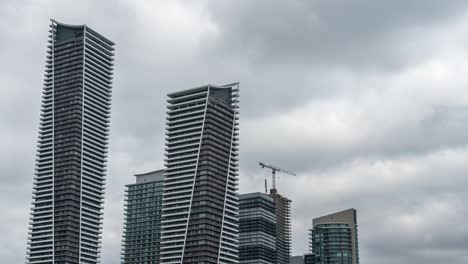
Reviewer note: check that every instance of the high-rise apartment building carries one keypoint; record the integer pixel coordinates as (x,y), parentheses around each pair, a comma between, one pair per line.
(257,229)
(66,213)
(200,206)
(334,239)
(265,228)
(142,224)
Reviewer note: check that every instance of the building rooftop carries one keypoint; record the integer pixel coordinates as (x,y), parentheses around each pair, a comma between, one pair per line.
(68,26)
(200,89)
(152,176)
(346,216)
(255,195)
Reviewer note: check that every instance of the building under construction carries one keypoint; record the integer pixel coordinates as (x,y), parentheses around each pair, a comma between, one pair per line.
(283,226)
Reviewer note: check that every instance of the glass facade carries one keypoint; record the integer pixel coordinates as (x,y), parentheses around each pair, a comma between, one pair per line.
(333,239)
(142,224)
(257,229)
(311,259)
(265,228)
(331,243)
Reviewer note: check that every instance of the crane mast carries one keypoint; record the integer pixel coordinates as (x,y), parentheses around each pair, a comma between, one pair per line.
(274,169)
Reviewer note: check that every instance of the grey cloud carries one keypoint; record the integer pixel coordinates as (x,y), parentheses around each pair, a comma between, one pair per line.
(438,237)
(354,34)
(287,57)
(431,130)
(419,217)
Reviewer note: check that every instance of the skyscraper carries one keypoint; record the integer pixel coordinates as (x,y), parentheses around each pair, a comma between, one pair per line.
(265,228)
(200,205)
(142,227)
(66,213)
(334,239)
(257,229)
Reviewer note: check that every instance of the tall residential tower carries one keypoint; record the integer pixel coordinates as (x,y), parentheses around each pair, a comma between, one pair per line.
(66,213)
(200,205)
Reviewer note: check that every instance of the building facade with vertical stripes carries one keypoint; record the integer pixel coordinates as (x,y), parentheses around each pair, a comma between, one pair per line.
(142,224)
(68,192)
(200,206)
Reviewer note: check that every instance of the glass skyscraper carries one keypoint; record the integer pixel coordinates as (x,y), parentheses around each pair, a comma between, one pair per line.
(333,239)
(68,192)
(200,206)
(257,229)
(142,226)
(265,228)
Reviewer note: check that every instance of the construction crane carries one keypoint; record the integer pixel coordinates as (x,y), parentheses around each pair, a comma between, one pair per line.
(274,169)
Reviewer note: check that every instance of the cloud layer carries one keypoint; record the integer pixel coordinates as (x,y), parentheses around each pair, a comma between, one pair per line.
(365,100)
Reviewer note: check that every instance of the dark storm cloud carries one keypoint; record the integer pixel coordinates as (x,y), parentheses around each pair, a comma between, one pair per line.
(306,47)
(365,100)
(362,33)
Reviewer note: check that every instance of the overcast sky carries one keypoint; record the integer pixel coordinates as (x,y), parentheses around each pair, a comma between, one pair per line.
(365,100)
